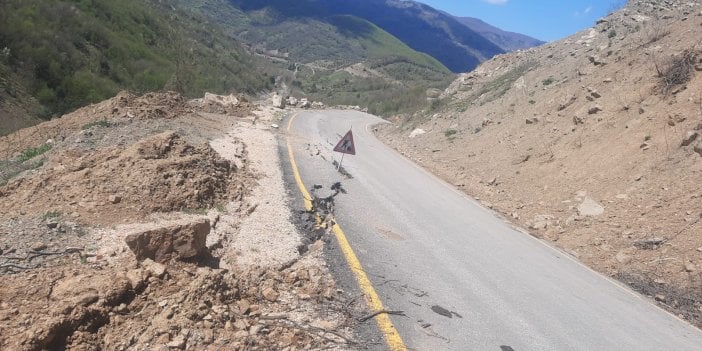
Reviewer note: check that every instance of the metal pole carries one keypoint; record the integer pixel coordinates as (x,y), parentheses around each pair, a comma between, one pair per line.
(342,160)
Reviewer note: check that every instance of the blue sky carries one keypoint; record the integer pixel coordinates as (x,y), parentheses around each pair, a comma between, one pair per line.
(546,20)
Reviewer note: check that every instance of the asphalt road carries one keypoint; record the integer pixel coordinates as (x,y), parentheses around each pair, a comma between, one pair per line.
(465,278)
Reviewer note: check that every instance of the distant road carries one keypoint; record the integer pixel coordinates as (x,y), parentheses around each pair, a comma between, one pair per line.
(466,279)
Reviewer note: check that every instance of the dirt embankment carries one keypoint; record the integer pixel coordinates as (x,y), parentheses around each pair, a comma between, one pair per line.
(137,227)
(592,142)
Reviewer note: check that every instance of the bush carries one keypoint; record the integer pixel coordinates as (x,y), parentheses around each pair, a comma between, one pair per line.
(548,81)
(676,71)
(450,132)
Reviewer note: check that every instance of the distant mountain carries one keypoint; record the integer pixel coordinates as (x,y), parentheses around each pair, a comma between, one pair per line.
(421,27)
(508,41)
(330,55)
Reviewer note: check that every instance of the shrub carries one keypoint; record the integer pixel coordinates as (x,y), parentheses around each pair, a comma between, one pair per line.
(548,81)
(450,132)
(676,71)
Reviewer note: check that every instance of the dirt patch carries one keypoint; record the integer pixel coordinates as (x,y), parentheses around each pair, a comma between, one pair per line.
(160,173)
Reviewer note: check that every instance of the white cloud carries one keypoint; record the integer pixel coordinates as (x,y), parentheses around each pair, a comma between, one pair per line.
(496,2)
(584,12)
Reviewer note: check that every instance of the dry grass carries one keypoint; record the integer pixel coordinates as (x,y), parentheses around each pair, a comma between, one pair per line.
(676,71)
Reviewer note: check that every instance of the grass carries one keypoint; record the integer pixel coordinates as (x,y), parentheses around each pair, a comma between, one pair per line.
(51,215)
(101,124)
(29,154)
(196,211)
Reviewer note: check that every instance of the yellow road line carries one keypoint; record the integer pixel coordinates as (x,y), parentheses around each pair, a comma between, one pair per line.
(392,337)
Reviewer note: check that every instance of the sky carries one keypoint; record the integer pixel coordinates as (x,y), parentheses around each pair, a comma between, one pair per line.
(547,20)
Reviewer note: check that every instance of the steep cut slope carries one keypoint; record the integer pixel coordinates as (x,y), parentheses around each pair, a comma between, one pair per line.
(508,41)
(68,54)
(592,142)
(421,27)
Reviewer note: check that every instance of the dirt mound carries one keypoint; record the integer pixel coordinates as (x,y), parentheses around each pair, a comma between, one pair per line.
(167,104)
(160,173)
(124,106)
(221,104)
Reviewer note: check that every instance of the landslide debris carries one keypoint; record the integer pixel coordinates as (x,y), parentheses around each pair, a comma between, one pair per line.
(140,173)
(160,173)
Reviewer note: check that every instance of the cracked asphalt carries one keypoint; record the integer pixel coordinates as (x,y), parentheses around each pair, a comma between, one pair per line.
(464,278)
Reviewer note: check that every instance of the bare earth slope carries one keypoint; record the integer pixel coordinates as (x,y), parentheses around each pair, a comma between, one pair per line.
(591,142)
(216,262)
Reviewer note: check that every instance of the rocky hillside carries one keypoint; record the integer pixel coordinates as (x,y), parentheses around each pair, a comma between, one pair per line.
(508,41)
(591,142)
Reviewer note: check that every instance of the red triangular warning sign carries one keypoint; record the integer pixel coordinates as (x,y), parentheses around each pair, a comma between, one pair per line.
(345,145)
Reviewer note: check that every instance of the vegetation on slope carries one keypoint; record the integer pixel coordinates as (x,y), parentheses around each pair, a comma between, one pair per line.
(72,53)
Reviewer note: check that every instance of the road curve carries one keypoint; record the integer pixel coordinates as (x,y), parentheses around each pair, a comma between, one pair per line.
(466,279)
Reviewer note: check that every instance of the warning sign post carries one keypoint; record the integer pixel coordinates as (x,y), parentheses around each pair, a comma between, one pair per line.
(345,146)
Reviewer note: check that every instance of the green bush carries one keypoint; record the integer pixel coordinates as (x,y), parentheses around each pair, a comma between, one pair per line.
(450,132)
(101,124)
(34,152)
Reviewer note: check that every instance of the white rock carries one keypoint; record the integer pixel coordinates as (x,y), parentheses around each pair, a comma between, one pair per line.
(590,207)
(417,132)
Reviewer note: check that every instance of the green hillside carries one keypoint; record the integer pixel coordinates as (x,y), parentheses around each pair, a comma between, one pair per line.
(313,49)
(71,53)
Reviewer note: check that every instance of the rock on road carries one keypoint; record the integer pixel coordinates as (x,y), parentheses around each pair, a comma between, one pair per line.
(466,279)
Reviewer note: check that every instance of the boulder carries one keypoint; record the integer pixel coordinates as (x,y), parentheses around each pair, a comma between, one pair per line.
(278,101)
(304,103)
(223,100)
(292,101)
(178,241)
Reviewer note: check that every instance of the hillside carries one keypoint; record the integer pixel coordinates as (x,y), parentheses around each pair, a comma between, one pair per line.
(507,41)
(591,142)
(421,27)
(335,58)
(67,54)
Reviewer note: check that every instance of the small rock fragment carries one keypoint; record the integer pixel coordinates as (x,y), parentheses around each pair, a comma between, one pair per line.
(689,138)
(270,294)
(39,246)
